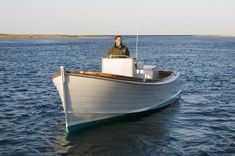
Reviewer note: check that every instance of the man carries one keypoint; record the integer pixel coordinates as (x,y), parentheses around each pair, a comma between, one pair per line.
(118,49)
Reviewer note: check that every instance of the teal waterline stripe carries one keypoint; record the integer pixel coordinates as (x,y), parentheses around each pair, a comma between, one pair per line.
(81,126)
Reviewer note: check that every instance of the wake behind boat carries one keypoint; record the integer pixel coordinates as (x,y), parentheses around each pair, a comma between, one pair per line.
(124,86)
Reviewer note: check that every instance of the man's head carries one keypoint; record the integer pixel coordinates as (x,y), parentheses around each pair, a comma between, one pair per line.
(118,40)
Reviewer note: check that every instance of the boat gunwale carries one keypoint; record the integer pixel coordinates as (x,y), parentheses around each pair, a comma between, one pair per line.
(105,76)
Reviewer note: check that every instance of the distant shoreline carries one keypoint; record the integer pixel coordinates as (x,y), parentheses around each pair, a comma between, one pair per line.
(49,36)
(218,35)
(32,36)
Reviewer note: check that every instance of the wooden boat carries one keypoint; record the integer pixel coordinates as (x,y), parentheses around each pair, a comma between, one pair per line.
(124,86)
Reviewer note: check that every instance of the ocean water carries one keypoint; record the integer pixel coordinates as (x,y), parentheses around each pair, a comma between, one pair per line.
(202,122)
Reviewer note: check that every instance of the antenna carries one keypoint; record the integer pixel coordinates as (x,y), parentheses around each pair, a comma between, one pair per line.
(137,35)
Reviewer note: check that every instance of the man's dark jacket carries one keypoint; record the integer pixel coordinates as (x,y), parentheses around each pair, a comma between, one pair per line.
(121,50)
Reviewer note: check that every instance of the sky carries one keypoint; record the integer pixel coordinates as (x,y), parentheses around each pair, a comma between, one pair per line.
(112,17)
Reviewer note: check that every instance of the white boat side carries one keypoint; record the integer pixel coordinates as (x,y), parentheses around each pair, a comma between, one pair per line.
(89,98)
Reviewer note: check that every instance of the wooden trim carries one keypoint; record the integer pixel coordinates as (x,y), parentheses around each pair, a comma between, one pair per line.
(162,74)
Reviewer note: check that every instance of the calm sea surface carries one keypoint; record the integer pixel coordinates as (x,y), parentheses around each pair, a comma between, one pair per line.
(201,123)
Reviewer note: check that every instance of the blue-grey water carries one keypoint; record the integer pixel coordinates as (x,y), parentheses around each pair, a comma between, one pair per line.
(201,123)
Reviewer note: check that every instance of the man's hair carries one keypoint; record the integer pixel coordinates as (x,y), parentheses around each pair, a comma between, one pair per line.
(118,37)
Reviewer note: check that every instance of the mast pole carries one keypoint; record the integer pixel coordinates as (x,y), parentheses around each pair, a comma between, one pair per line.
(137,35)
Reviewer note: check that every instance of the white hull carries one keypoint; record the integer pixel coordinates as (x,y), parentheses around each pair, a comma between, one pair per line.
(89,99)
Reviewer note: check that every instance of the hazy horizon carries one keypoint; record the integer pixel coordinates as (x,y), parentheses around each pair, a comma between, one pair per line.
(108,17)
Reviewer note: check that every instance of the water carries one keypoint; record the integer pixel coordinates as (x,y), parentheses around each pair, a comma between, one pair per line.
(201,123)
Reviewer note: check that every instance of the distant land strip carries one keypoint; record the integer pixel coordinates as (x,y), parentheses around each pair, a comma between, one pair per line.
(86,36)
(218,35)
(49,36)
